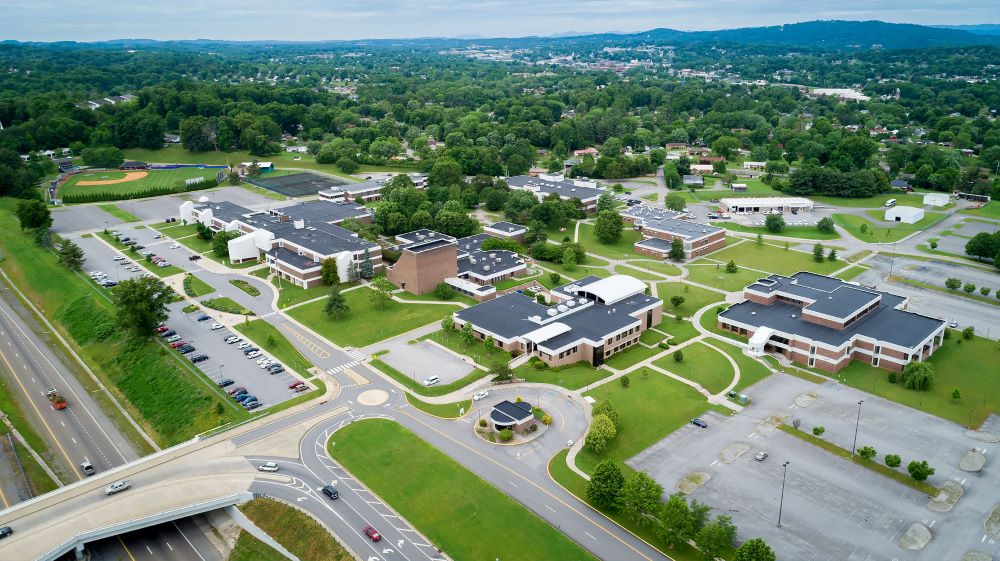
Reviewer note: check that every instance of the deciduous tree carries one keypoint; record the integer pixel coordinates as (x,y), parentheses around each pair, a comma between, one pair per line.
(605,485)
(141,303)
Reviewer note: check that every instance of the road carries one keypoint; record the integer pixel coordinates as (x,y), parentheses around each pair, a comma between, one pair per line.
(181,540)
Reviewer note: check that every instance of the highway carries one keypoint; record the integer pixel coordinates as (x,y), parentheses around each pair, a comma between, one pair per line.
(182,540)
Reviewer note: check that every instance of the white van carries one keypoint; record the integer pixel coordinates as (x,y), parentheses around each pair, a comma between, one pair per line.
(890,203)
(431,381)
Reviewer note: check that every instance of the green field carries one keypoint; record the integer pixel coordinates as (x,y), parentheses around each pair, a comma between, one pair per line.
(850,272)
(276,344)
(365,324)
(412,381)
(226,304)
(454,508)
(477,351)
(704,271)
(13,408)
(637,273)
(776,259)
(195,287)
(751,371)
(156,179)
(701,364)
(118,213)
(249,548)
(298,532)
(877,201)
(175,230)
(679,331)
(990,210)
(290,294)
(622,249)
(443,410)
(695,297)
(879,231)
(631,356)
(658,266)
(802,232)
(644,418)
(961,364)
(571,376)
(178,155)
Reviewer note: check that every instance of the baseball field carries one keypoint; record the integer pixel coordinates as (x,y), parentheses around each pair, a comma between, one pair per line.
(126,183)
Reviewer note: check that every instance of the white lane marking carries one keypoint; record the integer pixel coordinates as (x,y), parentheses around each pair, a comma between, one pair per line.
(514,484)
(715,462)
(550,508)
(751,434)
(193,548)
(591,537)
(149,550)
(170,547)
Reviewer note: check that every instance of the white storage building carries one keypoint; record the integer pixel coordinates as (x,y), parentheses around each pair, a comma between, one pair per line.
(936,199)
(904,214)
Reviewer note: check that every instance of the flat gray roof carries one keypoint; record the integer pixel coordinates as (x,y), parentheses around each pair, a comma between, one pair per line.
(563,188)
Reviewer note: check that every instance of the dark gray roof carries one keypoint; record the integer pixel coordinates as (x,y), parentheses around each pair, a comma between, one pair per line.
(362,187)
(227,211)
(472,243)
(292,258)
(498,261)
(325,239)
(565,189)
(693,180)
(508,227)
(655,243)
(324,211)
(663,220)
(419,235)
(511,413)
(827,295)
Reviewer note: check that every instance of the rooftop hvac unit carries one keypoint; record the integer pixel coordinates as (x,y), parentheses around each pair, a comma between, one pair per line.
(486,267)
(472,260)
(562,308)
(582,300)
(571,303)
(420,237)
(493,255)
(551,312)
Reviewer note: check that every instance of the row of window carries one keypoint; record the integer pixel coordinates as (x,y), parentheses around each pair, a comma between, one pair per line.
(624,345)
(568,352)
(622,335)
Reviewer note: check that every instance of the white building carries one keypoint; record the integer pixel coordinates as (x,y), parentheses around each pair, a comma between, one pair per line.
(765,205)
(904,214)
(758,166)
(936,199)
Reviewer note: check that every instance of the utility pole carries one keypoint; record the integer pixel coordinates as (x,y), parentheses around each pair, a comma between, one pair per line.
(856,427)
(781,502)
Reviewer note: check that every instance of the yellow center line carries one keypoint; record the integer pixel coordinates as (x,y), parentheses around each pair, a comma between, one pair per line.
(125,547)
(38,413)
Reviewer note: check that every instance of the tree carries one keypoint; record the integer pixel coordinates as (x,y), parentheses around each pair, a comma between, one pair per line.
(676,524)
(760,240)
(867,453)
(676,250)
(818,253)
(555,278)
(678,356)
(818,431)
(32,214)
(336,304)
(569,259)
(918,375)
(489,343)
(329,272)
(719,168)
(731,267)
(366,270)
(379,295)
(347,165)
(468,335)
(754,549)
(725,146)
(892,460)
(984,290)
(204,232)
(141,303)
(71,255)
(446,172)
(774,223)
(715,537)
(832,255)
(506,435)
(919,471)
(825,225)
(605,202)
(968,333)
(352,272)
(676,301)
(640,498)
(605,485)
(103,157)
(951,283)
(609,226)
(969,287)
(956,394)
(501,372)
(675,203)
(234,178)
(443,291)
(606,408)
(220,243)
(602,430)
(983,245)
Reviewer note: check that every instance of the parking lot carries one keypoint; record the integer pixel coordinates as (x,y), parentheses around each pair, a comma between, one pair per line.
(833,510)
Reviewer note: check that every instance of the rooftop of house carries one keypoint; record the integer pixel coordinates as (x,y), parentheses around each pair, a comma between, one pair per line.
(565,188)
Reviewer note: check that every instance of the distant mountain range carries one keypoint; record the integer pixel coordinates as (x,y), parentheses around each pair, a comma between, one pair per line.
(979,29)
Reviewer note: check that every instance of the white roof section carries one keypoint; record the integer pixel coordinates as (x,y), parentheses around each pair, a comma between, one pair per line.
(547,332)
(766,201)
(614,288)
(759,341)
(903,211)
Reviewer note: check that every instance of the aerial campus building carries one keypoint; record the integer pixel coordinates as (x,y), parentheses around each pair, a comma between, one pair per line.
(826,323)
(659,227)
(584,190)
(588,320)
(296,239)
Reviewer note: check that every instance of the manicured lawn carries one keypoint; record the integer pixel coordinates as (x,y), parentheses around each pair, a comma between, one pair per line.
(155,179)
(651,337)
(877,201)
(710,321)
(637,273)
(701,364)
(695,297)
(195,287)
(776,259)
(118,213)
(804,232)
(195,243)
(455,509)
(412,382)
(178,155)
(290,294)
(878,231)
(226,304)
(477,351)
(444,410)
(631,356)
(679,331)
(512,282)
(990,210)
(249,548)
(751,371)
(298,532)
(175,229)
(850,272)
(704,271)
(578,271)
(365,324)
(571,377)
(658,266)
(622,249)
(456,298)
(652,407)
(245,287)
(277,345)
(962,365)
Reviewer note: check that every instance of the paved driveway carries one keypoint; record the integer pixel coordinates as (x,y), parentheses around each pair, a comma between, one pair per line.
(424,359)
(66,220)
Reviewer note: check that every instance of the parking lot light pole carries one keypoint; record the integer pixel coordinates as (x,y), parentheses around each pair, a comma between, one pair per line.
(220,371)
(856,427)
(781,502)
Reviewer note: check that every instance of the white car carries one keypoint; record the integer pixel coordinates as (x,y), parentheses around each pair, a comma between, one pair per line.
(243,345)
(233,339)
(117,486)
(119,258)
(216,326)
(480,395)
(262,360)
(268,466)
(175,246)
(253,354)
(266,363)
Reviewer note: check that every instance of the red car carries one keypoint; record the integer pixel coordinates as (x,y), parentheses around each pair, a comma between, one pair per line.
(372,534)
(177,344)
(161,329)
(237,390)
(295,384)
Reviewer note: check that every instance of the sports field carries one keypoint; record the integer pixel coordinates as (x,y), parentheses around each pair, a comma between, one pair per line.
(131,182)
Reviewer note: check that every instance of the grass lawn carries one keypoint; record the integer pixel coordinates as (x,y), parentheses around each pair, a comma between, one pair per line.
(956,365)
(245,287)
(175,229)
(991,300)
(302,536)
(703,271)
(455,509)
(226,304)
(176,154)
(776,259)
(443,410)
(710,321)
(850,272)
(637,273)
(118,213)
(651,337)
(658,266)
(990,210)
(413,382)
(631,356)
(161,272)
(751,371)
(365,324)
(196,244)
(644,418)
(701,364)
(879,231)
(515,281)
(679,331)
(652,197)
(803,232)
(290,294)
(277,345)
(155,179)
(195,287)
(622,249)
(695,297)
(477,351)
(249,548)
(456,298)
(878,201)
(11,405)
(578,271)
(571,377)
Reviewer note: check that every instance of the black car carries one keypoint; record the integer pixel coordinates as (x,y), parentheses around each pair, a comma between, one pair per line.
(252,405)
(277,370)
(186,349)
(168,333)
(5,531)
(330,491)
(225,382)
(249,350)
(199,358)
(194,257)
(699,423)
(203,317)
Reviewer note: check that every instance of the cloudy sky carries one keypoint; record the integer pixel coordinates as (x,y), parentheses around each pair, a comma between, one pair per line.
(92,20)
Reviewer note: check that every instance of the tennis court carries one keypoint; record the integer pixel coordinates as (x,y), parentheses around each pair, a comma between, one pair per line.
(297,184)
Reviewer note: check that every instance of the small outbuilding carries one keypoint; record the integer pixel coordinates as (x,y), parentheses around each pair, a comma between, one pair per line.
(937,199)
(514,415)
(904,214)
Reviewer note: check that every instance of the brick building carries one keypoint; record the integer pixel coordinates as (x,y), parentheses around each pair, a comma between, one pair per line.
(660,226)
(584,190)
(826,323)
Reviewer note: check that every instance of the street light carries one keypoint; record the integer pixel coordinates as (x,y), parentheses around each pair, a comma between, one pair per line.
(856,427)
(781,502)
(220,371)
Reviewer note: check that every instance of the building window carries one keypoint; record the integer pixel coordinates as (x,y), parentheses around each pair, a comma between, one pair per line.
(812,361)
(812,350)
(878,349)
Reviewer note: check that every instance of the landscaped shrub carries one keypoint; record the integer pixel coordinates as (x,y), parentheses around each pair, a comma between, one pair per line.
(506,435)
(245,287)
(226,305)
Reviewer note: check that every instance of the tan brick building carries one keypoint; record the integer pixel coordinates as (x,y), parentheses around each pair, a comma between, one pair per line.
(659,227)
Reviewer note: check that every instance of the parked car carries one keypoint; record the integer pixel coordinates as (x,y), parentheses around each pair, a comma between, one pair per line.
(268,466)
(431,381)
(760,456)
(175,246)
(699,423)
(275,366)
(161,329)
(119,258)
(168,333)
(236,390)
(250,349)
(296,384)
(203,317)
(330,491)
(300,389)
(249,402)
(225,382)
(953,324)
(117,487)
(199,358)
(480,395)
(253,354)
(158,237)
(216,326)
(232,339)
(187,349)
(372,534)
(277,370)
(194,257)
(179,344)
(173,338)
(244,345)
(252,405)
